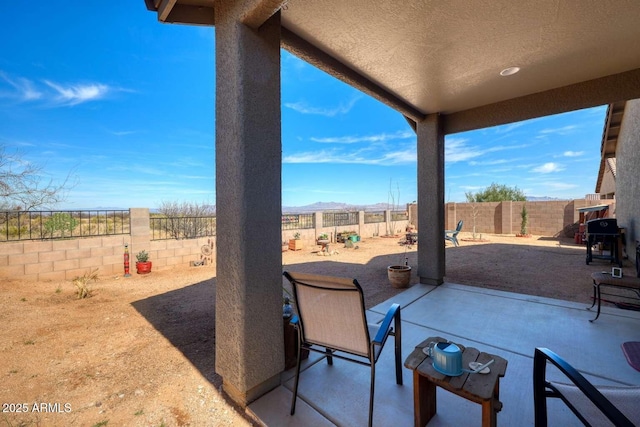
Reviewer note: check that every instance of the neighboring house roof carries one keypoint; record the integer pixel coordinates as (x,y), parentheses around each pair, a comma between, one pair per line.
(611,163)
(613,121)
(427,57)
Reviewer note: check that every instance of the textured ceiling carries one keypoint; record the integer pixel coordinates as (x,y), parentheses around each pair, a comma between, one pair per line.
(446,56)
(424,56)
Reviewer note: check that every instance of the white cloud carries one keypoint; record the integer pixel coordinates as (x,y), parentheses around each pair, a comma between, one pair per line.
(490,162)
(77,94)
(303,108)
(573,153)
(456,150)
(559,131)
(57,94)
(336,156)
(548,168)
(24,87)
(371,138)
(508,128)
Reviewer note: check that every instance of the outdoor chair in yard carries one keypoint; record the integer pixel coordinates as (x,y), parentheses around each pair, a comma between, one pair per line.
(605,405)
(452,235)
(332,320)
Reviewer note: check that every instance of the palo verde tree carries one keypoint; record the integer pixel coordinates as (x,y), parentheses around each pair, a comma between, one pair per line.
(23,186)
(493,193)
(497,193)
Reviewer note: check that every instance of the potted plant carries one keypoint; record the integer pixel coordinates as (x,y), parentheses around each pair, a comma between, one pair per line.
(143,265)
(323,237)
(295,244)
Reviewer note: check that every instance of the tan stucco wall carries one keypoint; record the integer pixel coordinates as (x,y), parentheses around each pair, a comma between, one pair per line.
(628,173)
(549,218)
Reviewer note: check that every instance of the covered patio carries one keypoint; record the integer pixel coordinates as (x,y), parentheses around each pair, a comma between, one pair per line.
(507,324)
(447,67)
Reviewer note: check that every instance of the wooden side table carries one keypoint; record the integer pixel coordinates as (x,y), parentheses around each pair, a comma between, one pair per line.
(483,389)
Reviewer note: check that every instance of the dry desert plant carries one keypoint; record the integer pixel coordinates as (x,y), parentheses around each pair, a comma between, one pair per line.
(82,283)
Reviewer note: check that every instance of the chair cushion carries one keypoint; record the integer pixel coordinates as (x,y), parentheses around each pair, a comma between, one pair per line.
(624,398)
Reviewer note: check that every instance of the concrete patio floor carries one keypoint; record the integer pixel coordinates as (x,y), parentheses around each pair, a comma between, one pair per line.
(507,324)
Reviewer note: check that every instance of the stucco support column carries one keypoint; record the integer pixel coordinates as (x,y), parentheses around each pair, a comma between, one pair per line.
(431,261)
(249,337)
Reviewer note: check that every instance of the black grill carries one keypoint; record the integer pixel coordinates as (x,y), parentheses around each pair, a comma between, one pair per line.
(603,234)
(602,226)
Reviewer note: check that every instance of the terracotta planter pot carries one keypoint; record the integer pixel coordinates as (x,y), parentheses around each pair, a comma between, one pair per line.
(399,275)
(143,267)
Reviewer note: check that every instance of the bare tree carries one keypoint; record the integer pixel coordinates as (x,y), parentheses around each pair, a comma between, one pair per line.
(187,220)
(23,186)
(393,201)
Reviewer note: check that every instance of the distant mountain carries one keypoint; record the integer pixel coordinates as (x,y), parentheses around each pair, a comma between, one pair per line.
(337,206)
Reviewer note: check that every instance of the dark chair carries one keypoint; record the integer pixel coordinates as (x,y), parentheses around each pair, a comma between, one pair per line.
(452,235)
(331,316)
(593,406)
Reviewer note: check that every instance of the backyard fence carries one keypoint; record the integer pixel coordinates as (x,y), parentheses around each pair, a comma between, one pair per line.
(298,221)
(335,219)
(373,217)
(165,228)
(46,225)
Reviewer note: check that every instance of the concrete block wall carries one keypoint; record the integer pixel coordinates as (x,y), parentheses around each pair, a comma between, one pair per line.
(545,218)
(485,217)
(54,260)
(61,259)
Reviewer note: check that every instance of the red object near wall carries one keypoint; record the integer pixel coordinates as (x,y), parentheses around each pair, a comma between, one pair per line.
(143,267)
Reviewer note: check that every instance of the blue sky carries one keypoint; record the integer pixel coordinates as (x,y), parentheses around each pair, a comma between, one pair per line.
(125,104)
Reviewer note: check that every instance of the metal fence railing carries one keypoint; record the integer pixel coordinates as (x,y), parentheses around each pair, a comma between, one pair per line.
(399,215)
(373,217)
(46,225)
(298,221)
(167,228)
(333,219)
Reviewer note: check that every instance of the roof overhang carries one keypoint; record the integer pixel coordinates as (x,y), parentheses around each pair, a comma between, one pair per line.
(613,121)
(426,57)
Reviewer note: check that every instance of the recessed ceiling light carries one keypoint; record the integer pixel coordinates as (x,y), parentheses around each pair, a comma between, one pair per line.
(509,71)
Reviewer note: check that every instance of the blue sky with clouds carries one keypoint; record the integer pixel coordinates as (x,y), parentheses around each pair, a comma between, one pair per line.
(125,104)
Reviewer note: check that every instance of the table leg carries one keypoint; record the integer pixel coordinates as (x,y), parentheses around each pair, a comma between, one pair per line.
(424,400)
(598,297)
(594,296)
(491,407)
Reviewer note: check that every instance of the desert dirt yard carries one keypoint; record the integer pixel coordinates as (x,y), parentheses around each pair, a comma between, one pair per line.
(140,351)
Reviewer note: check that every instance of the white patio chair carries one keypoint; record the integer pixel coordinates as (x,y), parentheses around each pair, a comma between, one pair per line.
(332,316)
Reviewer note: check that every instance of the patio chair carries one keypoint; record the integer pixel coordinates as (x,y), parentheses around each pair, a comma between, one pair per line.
(452,235)
(332,320)
(605,405)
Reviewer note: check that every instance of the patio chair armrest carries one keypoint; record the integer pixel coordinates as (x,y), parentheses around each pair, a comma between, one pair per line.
(294,320)
(392,314)
(544,388)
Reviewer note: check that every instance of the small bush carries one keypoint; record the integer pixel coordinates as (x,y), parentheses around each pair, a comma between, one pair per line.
(82,284)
